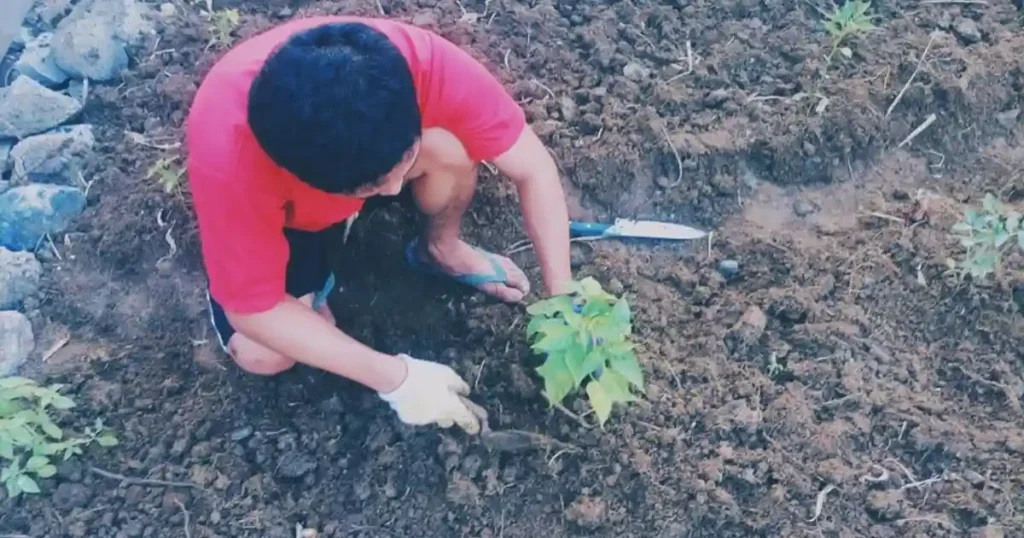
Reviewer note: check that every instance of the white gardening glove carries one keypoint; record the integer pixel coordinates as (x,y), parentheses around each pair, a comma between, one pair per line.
(431,394)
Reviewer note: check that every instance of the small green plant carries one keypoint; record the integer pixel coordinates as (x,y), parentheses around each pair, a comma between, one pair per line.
(167,173)
(29,438)
(585,336)
(849,19)
(986,235)
(222,23)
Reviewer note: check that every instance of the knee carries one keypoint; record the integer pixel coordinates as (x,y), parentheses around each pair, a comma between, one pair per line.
(256,359)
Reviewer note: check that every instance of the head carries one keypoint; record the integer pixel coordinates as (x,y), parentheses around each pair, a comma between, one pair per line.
(335,106)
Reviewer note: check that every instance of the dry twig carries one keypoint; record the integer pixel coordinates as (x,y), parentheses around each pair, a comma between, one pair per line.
(819,503)
(184,512)
(912,75)
(920,129)
(675,153)
(144,481)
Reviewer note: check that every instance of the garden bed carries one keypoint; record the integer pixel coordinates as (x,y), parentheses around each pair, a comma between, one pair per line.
(841,383)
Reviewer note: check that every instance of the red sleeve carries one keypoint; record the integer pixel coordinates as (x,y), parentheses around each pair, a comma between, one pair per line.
(464,98)
(241,228)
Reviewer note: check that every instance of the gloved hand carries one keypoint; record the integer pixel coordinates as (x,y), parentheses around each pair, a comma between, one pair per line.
(430,395)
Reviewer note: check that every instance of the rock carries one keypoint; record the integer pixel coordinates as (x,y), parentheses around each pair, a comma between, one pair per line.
(37,62)
(56,157)
(587,512)
(967,30)
(19,277)
(802,208)
(636,71)
(728,268)
(5,153)
(241,434)
(16,341)
(168,10)
(29,212)
(568,108)
(27,108)
(1007,119)
(716,98)
(69,496)
(91,41)
(295,464)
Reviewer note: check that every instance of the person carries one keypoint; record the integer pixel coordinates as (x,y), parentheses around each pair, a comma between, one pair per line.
(286,137)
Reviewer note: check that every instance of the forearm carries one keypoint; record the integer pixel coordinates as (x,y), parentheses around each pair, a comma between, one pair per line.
(547,223)
(297,332)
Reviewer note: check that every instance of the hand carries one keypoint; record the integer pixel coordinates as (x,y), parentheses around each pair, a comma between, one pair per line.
(431,394)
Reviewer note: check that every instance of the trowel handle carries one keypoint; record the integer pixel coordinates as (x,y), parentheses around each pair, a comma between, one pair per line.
(587,229)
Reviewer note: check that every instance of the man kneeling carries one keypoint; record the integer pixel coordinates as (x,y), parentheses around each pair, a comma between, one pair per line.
(287,136)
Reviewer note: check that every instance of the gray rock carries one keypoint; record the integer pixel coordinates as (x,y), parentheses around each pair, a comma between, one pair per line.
(16,341)
(56,157)
(4,185)
(1007,119)
(19,277)
(91,41)
(728,268)
(27,108)
(37,62)
(636,71)
(5,153)
(294,464)
(29,212)
(967,30)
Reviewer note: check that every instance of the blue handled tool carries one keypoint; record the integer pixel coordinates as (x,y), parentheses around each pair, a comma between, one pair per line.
(635,228)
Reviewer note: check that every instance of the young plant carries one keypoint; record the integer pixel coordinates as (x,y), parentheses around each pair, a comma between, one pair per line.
(850,19)
(29,438)
(222,23)
(986,235)
(167,173)
(586,338)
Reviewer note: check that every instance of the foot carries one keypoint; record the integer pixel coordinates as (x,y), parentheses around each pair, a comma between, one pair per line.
(459,258)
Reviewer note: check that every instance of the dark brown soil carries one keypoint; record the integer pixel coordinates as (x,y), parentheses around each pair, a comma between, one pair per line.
(842,384)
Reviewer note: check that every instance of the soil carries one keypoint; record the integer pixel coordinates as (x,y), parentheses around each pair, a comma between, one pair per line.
(841,383)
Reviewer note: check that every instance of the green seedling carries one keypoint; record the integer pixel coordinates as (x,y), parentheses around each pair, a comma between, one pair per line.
(987,235)
(167,173)
(223,23)
(845,21)
(585,337)
(30,439)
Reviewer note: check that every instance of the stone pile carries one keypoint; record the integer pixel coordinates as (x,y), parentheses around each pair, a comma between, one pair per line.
(43,144)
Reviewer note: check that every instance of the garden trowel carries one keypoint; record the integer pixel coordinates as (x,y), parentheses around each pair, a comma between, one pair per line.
(648,229)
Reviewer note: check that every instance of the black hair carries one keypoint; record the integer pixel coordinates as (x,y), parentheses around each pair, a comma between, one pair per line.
(335,106)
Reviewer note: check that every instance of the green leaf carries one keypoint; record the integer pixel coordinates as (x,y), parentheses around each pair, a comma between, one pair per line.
(48,427)
(596,308)
(106,440)
(575,357)
(46,471)
(595,360)
(621,313)
(21,435)
(629,367)
(600,401)
(6,449)
(27,485)
(13,490)
(15,382)
(551,306)
(590,287)
(557,379)
(616,386)
(63,402)
(36,462)
(557,338)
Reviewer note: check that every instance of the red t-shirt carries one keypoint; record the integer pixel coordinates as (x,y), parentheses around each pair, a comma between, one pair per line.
(243,201)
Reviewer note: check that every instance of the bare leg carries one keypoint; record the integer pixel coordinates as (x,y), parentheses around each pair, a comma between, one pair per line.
(443,197)
(256,359)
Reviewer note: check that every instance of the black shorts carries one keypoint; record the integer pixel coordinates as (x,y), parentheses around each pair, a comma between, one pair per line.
(308,271)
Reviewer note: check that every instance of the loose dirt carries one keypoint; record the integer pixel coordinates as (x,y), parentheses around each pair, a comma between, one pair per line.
(842,383)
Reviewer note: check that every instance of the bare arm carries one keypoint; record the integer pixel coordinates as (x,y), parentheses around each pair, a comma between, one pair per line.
(542,201)
(297,332)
